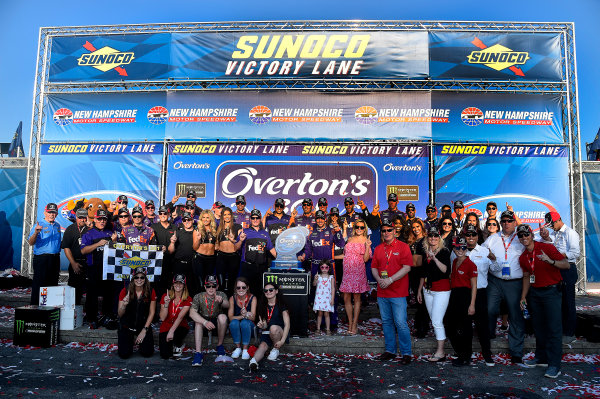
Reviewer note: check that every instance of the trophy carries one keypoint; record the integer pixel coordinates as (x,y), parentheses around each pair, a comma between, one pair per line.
(287,245)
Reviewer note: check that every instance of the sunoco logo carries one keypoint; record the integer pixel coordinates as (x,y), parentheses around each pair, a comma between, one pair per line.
(498,57)
(105,59)
(134,262)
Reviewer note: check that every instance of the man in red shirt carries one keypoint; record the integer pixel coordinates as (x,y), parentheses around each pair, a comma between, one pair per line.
(542,293)
(391,263)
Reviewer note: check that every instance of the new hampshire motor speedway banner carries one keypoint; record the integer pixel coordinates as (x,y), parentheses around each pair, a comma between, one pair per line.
(97,172)
(306,115)
(532,179)
(119,260)
(309,54)
(262,173)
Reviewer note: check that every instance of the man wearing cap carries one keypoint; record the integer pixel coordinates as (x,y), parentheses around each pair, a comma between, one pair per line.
(217,208)
(352,216)
(391,263)
(277,222)
(71,244)
(566,241)
(92,245)
(151,217)
(122,220)
(392,211)
(432,217)
(541,264)
(181,248)
(189,208)
(163,231)
(138,233)
(254,242)
(459,220)
(207,312)
(446,210)
(490,209)
(505,282)
(116,206)
(45,240)
(479,255)
(241,216)
(190,196)
(322,204)
(307,219)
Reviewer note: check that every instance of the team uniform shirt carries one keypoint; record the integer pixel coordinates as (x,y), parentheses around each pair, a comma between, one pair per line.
(566,241)
(150,221)
(142,235)
(91,237)
(319,244)
(307,221)
(256,245)
(276,226)
(179,221)
(393,214)
(137,311)
(459,223)
(48,240)
(181,209)
(391,258)
(431,223)
(507,251)
(174,311)
(163,234)
(242,218)
(479,256)
(184,246)
(72,239)
(337,250)
(207,307)
(545,273)
(461,275)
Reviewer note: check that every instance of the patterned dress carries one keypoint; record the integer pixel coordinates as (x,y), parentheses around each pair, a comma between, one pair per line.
(323,294)
(354,279)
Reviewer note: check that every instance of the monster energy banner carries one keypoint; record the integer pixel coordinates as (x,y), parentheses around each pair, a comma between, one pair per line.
(289,283)
(120,259)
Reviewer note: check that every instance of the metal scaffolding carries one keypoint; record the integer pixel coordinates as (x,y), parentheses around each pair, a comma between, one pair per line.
(566,88)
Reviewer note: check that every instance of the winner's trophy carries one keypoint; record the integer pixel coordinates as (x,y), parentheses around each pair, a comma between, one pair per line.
(287,245)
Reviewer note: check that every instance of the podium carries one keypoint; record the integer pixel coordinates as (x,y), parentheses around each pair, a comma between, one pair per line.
(295,286)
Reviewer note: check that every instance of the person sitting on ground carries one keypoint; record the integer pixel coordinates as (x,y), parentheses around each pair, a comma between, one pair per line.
(175,305)
(137,306)
(242,312)
(274,320)
(206,311)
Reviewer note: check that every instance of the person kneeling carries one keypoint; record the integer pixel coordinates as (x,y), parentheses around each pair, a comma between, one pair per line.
(175,305)
(274,319)
(137,305)
(207,312)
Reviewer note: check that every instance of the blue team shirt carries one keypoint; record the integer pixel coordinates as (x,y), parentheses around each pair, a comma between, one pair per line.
(49,239)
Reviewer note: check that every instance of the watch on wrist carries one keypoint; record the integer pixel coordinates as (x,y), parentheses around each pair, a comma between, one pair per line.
(146,328)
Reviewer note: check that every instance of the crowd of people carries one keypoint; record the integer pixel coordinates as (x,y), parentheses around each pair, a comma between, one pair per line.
(454,269)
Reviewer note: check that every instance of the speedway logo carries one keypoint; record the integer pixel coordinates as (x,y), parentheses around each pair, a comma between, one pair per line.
(159,115)
(367,115)
(529,208)
(307,115)
(65,116)
(473,116)
(260,114)
(105,59)
(498,57)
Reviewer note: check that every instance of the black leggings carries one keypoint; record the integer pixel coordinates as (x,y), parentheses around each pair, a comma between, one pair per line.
(228,268)
(125,339)
(203,266)
(166,348)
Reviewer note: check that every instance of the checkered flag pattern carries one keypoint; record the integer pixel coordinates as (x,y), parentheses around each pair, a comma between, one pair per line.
(120,259)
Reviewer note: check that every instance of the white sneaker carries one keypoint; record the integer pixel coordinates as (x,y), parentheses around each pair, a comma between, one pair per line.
(253,365)
(245,354)
(273,355)
(177,351)
(236,353)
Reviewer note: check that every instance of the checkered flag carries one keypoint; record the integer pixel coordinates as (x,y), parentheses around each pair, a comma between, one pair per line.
(120,259)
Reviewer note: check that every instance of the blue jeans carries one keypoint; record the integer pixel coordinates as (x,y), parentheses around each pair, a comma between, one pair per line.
(393,315)
(241,331)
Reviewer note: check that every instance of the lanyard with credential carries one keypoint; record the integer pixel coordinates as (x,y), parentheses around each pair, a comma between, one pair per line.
(506,247)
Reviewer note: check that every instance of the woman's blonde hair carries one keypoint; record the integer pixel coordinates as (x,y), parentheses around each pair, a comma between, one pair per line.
(354,227)
(184,295)
(213,224)
(440,246)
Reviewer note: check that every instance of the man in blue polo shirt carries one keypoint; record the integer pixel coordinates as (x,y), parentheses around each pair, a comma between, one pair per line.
(45,239)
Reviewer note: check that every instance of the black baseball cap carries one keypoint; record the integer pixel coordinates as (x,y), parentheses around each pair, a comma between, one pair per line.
(218,204)
(460,241)
(179,278)
(255,212)
(508,215)
(81,213)
(51,208)
(240,198)
(410,205)
(458,204)
(470,229)
(163,208)
(191,193)
(137,209)
(322,201)
(319,214)
(211,279)
(430,207)
(101,214)
(123,211)
(524,228)
(385,221)
(122,199)
(392,197)
(186,215)
(348,200)
(334,211)
(433,230)
(279,201)
(307,201)
(190,203)
(148,203)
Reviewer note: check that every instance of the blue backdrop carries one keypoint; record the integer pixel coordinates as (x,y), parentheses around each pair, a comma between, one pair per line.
(591,202)
(12,210)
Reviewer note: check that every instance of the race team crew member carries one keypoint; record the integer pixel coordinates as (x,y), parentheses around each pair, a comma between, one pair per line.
(352,216)
(122,220)
(319,244)
(190,196)
(255,242)
(542,294)
(241,216)
(190,209)
(92,245)
(163,231)
(322,204)
(307,219)
(277,222)
(138,233)
(151,217)
(432,217)
(459,220)
(116,206)
(71,244)
(181,248)
(392,212)
(45,240)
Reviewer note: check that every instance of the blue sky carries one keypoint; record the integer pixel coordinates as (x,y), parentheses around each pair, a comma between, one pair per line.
(20,22)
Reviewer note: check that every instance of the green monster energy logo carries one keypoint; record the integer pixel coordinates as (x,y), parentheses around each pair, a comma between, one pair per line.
(272,279)
(20,325)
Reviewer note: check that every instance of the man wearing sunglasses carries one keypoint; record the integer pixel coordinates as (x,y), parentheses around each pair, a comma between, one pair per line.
(190,196)
(351,216)
(138,233)
(307,219)
(432,217)
(255,242)
(542,264)
(490,210)
(391,263)
(241,216)
(459,211)
(566,241)
(392,212)
(122,220)
(163,231)
(151,217)
(116,206)
(505,282)
(322,204)
(278,221)
(479,256)
(71,244)
(189,208)
(208,312)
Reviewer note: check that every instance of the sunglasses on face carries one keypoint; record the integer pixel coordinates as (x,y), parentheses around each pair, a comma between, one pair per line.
(150,207)
(210,286)
(491,208)
(446,224)
(279,206)
(241,288)
(191,196)
(433,235)
(255,218)
(431,211)
(240,203)
(268,290)
(471,235)
(521,235)
(507,221)
(360,227)
(123,217)
(139,278)
(493,224)
(348,203)
(137,216)
(187,220)
(83,218)
(461,248)
(387,230)
(162,213)
(189,207)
